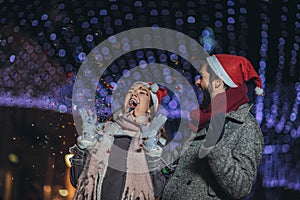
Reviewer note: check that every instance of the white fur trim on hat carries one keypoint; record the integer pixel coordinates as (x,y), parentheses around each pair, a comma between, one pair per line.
(219,70)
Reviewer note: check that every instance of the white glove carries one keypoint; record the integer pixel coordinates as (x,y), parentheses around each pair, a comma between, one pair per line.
(149,134)
(90,129)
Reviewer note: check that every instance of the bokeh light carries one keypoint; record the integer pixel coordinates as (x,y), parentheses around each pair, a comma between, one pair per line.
(44,43)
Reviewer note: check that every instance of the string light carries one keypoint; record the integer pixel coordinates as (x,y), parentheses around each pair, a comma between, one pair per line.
(231,27)
(263,60)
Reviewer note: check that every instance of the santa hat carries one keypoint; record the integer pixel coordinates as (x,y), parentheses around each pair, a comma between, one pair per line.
(157,93)
(234,70)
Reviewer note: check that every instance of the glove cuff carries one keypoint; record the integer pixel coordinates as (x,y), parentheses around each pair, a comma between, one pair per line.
(155,151)
(154,163)
(76,150)
(79,155)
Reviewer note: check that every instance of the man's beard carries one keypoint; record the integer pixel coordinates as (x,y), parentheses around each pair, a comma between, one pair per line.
(206,100)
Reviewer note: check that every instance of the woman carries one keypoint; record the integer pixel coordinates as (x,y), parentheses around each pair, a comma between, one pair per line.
(119,159)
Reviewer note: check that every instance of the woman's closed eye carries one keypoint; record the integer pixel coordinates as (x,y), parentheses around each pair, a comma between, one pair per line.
(143,92)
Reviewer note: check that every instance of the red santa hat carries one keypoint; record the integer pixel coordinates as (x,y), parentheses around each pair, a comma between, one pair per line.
(157,93)
(234,70)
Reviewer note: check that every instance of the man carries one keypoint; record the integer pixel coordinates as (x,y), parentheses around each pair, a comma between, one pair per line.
(222,160)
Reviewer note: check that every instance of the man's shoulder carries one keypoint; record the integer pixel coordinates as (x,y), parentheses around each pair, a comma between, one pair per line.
(251,126)
(241,113)
(244,117)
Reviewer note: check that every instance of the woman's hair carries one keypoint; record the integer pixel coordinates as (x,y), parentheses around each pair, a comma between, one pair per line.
(152,109)
(164,133)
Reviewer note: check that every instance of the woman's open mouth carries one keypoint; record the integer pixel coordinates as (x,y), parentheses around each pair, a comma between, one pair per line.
(132,104)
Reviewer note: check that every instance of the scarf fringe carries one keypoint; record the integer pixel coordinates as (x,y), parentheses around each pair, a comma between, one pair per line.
(89,184)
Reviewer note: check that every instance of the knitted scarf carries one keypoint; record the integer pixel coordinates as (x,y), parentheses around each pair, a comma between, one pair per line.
(235,97)
(138,181)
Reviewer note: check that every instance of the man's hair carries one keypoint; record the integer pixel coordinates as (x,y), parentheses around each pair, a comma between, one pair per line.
(212,75)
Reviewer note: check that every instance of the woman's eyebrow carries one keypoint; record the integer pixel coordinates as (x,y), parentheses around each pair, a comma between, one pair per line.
(141,88)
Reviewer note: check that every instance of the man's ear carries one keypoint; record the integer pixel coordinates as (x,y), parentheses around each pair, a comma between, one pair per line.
(218,84)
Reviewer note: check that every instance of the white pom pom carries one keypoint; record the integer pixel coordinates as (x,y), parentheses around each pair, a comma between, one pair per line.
(259,91)
(154,87)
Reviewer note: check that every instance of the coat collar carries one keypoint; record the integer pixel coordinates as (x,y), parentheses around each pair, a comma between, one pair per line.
(241,113)
(238,115)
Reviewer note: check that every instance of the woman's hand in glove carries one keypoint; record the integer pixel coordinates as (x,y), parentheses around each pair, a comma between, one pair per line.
(149,134)
(90,129)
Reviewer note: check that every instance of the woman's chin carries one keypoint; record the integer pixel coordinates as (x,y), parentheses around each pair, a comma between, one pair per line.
(137,112)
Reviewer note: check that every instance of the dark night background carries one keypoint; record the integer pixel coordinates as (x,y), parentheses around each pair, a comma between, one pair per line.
(42,46)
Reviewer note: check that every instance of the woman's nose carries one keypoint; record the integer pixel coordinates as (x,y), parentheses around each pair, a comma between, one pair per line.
(134,93)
